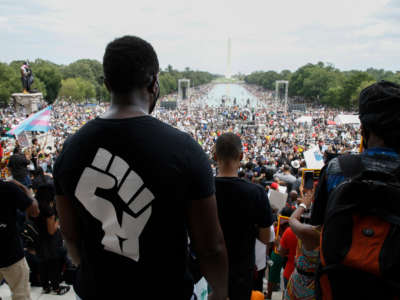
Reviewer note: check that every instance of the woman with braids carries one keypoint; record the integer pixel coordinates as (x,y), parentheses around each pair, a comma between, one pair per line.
(301,284)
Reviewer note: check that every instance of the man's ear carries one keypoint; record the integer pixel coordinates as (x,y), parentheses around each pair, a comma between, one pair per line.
(154,86)
(107,85)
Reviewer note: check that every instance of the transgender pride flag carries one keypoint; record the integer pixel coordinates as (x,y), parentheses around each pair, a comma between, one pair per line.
(39,121)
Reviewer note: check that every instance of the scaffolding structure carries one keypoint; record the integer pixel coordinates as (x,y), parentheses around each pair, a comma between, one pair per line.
(285,99)
(180,90)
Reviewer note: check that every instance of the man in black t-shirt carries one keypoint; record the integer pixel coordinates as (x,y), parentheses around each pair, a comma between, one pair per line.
(18,165)
(244,213)
(126,224)
(13,266)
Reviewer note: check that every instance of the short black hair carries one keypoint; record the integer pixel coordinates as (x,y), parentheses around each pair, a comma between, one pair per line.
(228,147)
(129,63)
(379,110)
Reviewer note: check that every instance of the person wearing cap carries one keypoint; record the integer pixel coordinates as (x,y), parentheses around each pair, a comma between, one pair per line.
(274,186)
(379,112)
(295,164)
(285,178)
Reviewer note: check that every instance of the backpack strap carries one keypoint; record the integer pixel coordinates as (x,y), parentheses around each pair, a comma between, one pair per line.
(351,165)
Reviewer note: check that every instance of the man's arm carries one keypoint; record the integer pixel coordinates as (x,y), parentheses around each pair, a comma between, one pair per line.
(69,227)
(52,224)
(263,217)
(320,201)
(206,235)
(33,209)
(264,235)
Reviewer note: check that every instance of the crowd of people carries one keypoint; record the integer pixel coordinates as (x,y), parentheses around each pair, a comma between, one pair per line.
(268,132)
(109,178)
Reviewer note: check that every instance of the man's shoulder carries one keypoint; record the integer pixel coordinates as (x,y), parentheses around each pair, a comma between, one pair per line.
(148,125)
(11,189)
(6,186)
(241,184)
(15,157)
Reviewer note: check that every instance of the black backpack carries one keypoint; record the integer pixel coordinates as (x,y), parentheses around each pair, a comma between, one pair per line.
(30,235)
(360,239)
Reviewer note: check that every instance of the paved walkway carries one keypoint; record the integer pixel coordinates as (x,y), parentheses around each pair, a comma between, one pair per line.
(36,294)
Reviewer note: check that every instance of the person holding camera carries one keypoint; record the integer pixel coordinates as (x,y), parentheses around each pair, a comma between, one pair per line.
(301,284)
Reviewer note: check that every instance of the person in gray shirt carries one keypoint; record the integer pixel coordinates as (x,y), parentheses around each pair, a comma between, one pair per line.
(285,178)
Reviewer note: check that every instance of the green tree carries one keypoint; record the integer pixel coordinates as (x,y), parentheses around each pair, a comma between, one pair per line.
(10,82)
(356,94)
(50,75)
(351,83)
(297,79)
(395,77)
(317,83)
(87,89)
(70,89)
(39,86)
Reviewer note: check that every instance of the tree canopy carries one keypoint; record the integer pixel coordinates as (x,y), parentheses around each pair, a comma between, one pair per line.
(81,80)
(323,83)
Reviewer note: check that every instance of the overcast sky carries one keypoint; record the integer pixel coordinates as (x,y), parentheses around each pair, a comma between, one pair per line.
(266,35)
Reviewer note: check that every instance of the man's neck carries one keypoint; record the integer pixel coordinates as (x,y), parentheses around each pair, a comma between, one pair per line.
(375,142)
(126,107)
(227,169)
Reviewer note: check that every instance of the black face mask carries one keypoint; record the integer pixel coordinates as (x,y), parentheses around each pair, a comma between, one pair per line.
(365,139)
(156,96)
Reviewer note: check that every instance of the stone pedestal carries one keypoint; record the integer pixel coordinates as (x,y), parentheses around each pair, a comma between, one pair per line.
(28,102)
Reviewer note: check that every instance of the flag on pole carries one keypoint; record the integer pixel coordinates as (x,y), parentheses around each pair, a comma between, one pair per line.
(39,121)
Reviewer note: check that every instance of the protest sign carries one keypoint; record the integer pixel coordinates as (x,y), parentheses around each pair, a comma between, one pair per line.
(23,140)
(314,158)
(277,199)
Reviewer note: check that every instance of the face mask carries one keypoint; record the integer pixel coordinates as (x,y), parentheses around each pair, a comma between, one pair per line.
(365,143)
(155,98)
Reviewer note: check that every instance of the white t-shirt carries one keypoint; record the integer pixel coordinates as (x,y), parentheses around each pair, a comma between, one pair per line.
(261,250)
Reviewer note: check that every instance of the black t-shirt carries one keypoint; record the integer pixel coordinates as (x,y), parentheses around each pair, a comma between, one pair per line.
(41,180)
(50,246)
(12,198)
(242,207)
(130,180)
(18,166)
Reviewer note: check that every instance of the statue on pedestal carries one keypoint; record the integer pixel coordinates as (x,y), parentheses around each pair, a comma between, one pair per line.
(29,100)
(26,77)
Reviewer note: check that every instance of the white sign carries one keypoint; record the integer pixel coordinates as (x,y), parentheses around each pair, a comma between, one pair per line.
(277,199)
(314,158)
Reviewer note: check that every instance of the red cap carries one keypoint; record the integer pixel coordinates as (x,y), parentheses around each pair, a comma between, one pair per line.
(274,186)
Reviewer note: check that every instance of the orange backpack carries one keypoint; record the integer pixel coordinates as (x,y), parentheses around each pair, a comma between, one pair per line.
(360,240)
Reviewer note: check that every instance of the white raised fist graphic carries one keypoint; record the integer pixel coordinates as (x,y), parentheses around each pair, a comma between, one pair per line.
(115,195)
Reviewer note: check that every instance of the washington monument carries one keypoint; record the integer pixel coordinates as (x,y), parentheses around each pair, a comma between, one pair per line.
(228,66)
